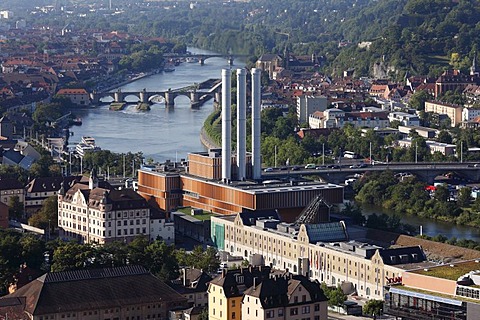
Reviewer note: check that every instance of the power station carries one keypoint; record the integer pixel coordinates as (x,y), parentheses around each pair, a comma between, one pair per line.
(225,182)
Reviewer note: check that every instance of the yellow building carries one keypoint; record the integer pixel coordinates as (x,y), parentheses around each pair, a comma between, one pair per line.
(453,111)
(318,251)
(225,292)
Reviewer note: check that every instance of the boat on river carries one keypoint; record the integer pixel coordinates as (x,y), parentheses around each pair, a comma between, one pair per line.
(87,144)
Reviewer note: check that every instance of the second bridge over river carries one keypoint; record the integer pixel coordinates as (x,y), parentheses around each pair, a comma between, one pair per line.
(198,93)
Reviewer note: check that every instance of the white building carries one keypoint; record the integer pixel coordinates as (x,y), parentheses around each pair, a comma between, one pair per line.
(444,148)
(6,14)
(405,119)
(469,114)
(306,105)
(96,215)
(161,228)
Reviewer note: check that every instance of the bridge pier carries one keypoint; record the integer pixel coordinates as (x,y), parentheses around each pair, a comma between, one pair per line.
(118,96)
(230,61)
(169,99)
(194,99)
(144,96)
(94,98)
(201,61)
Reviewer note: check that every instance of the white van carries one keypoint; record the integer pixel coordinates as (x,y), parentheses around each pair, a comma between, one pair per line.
(311,166)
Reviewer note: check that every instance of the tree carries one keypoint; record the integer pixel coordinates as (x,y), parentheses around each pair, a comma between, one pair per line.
(161,261)
(373,307)
(464,197)
(71,256)
(15,208)
(47,217)
(417,100)
(442,194)
(444,137)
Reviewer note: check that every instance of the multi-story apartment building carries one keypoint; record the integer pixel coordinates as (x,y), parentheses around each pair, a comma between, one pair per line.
(404,118)
(193,285)
(128,293)
(10,187)
(40,189)
(336,118)
(92,214)
(319,251)
(225,292)
(453,111)
(285,297)
(308,104)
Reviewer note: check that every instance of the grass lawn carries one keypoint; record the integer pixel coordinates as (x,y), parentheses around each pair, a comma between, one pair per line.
(205,216)
(451,273)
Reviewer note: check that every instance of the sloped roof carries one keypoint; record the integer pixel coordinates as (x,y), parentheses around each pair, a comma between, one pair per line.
(10,183)
(74,291)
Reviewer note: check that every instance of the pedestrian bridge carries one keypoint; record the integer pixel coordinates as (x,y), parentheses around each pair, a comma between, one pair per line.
(198,94)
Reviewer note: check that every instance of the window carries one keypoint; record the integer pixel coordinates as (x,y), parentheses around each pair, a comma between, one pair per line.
(305,309)
(293,311)
(233,303)
(233,315)
(280,312)
(270,314)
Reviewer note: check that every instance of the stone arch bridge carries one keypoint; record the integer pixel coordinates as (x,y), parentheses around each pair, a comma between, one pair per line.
(197,93)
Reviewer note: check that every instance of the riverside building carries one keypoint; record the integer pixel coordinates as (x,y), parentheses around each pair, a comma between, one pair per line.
(319,251)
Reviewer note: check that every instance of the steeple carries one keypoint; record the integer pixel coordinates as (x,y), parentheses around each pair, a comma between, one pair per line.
(93,181)
(473,69)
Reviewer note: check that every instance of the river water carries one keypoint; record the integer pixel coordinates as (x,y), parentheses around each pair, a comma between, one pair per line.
(430,227)
(160,133)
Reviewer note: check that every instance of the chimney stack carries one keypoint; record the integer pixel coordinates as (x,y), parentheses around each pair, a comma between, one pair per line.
(226,126)
(241,122)
(256,128)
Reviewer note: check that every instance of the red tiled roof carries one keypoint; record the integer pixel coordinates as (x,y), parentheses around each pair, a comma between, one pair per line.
(71,91)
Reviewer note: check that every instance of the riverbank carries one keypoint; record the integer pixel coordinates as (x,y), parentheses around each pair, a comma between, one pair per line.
(207,141)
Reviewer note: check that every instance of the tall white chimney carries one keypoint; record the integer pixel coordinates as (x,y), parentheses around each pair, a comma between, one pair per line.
(226,125)
(241,122)
(256,128)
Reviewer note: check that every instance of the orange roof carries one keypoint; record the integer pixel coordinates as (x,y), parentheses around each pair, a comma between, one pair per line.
(71,91)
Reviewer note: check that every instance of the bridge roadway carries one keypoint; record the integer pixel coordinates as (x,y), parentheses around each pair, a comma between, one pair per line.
(202,57)
(198,93)
(425,171)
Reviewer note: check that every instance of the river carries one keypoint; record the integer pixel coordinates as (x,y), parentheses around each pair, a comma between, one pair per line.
(430,227)
(160,133)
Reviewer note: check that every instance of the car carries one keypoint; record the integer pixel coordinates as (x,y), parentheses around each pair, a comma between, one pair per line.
(310,166)
(268,169)
(320,167)
(295,168)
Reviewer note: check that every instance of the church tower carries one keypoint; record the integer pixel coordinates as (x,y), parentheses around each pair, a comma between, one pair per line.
(474,69)
(93,180)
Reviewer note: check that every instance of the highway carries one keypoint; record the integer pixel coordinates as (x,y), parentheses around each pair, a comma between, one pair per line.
(422,169)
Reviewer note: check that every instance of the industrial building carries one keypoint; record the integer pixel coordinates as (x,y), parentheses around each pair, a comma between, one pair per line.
(223,182)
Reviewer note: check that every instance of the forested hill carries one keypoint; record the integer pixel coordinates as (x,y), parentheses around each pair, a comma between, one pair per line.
(421,36)
(418,36)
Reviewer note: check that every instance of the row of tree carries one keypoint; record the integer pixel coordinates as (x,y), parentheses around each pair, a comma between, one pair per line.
(411,196)
(156,256)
